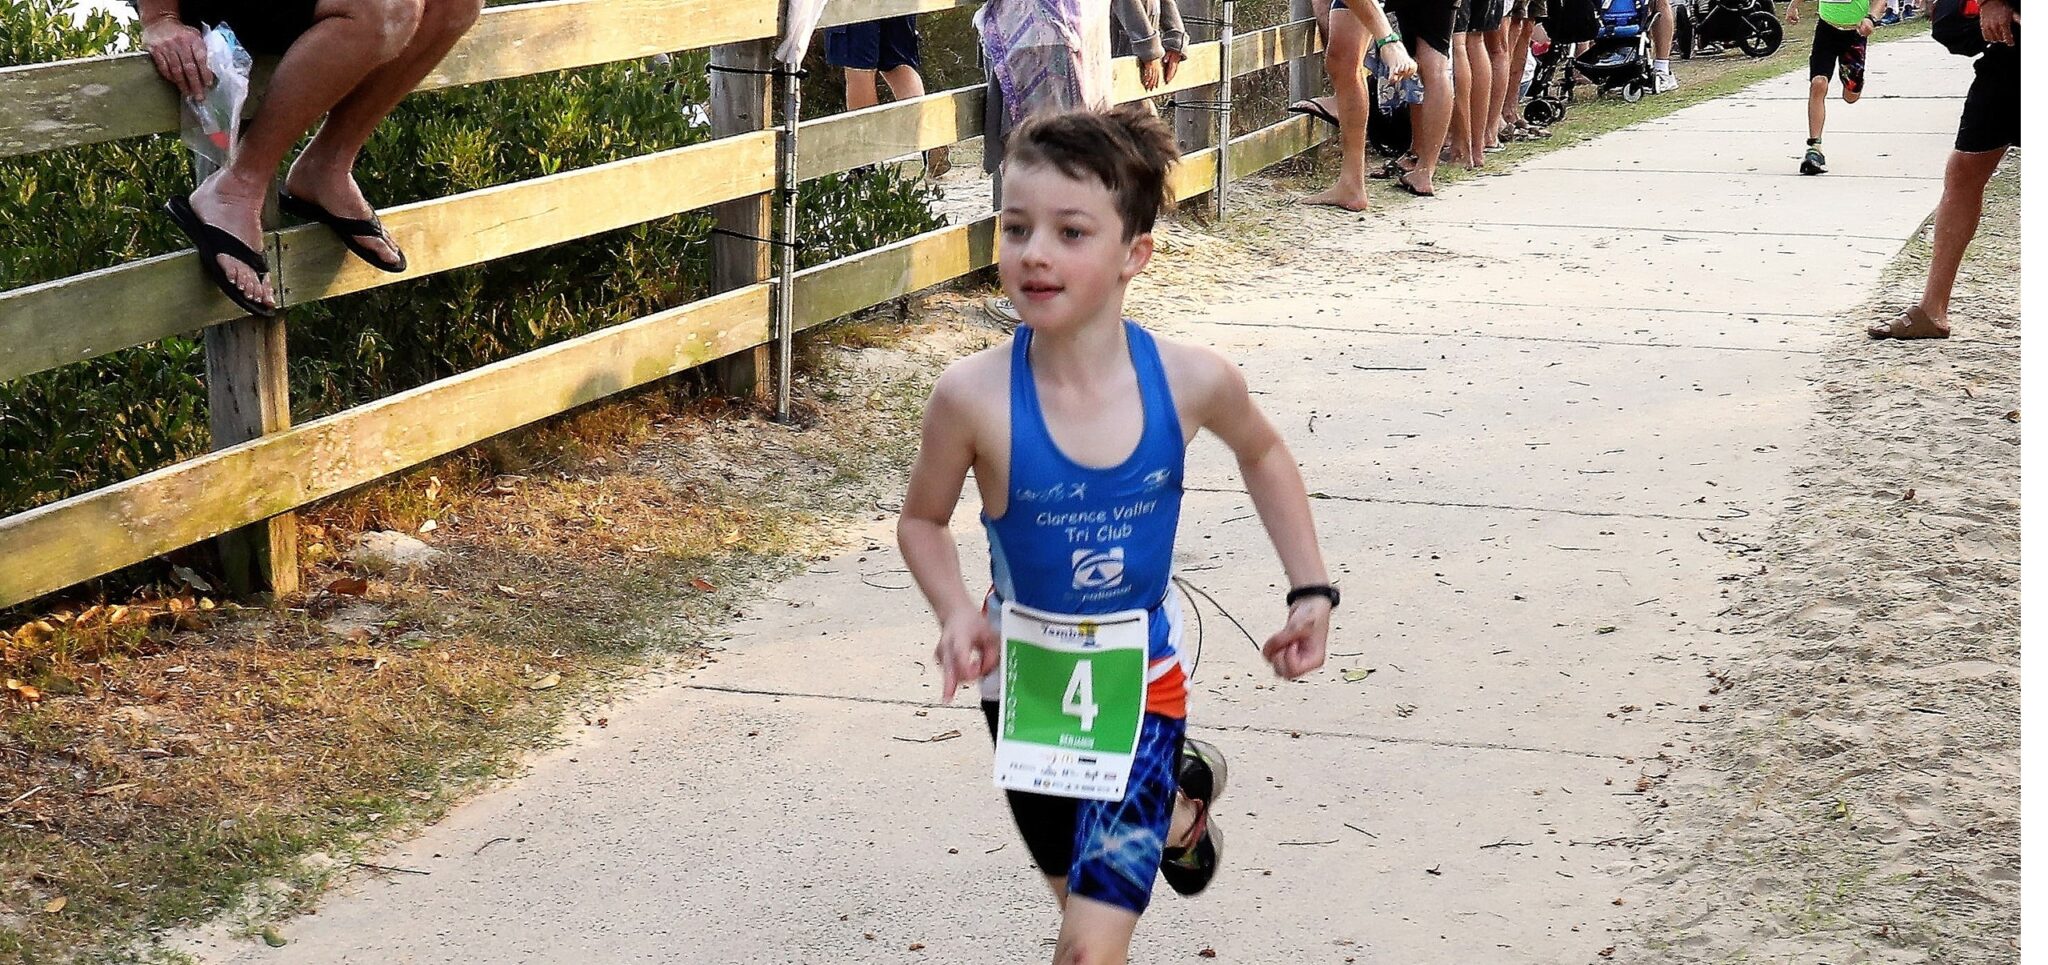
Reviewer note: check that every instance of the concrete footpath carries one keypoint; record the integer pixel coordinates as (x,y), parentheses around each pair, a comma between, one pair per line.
(1544,409)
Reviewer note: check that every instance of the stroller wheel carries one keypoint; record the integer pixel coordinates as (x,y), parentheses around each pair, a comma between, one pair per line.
(1766,35)
(1543,113)
(1632,91)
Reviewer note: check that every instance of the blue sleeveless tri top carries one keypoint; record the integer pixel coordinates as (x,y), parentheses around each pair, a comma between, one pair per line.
(1082,540)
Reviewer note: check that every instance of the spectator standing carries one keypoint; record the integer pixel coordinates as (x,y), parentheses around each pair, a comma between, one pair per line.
(887,47)
(1989,127)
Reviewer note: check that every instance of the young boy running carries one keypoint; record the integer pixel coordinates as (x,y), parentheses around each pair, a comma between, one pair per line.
(1076,432)
(1841,36)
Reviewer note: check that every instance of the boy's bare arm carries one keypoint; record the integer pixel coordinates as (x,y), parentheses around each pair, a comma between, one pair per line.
(924,533)
(1281,499)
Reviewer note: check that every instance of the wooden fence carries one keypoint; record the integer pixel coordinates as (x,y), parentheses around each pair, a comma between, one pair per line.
(263,467)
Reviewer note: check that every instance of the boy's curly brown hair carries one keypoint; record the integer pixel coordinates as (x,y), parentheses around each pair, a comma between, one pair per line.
(1126,148)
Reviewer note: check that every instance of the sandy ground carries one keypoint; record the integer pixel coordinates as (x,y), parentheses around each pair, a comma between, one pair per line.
(1861,803)
(1545,417)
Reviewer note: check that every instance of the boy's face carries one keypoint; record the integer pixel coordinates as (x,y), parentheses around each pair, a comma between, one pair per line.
(1064,259)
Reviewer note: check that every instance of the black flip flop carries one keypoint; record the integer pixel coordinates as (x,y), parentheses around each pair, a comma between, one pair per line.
(214,241)
(1314,110)
(347,229)
(1392,169)
(1401,182)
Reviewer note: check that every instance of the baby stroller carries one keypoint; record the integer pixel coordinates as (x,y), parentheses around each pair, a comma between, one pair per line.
(1710,26)
(1550,87)
(1619,60)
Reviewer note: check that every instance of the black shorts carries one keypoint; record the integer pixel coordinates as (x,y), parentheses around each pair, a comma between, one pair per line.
(1478,16)
(884,44)
(1421,21)
(1991,112)
(263,26)
(1833,45)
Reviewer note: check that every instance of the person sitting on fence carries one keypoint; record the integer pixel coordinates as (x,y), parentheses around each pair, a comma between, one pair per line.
(349,60)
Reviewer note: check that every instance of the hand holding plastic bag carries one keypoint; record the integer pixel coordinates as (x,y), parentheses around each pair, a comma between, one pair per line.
(211,124)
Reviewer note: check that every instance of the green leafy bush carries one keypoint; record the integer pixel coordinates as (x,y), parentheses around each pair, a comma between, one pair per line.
(86,425)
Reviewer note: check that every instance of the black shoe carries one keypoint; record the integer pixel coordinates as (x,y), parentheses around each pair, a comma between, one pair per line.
(1815,162)
(1203,773)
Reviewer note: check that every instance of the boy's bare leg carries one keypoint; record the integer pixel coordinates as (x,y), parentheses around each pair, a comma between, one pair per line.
(1094,933)
(325,171)
(1347,81)
(1816,106)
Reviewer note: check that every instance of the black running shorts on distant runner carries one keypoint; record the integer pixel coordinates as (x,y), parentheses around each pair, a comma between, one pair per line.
(1834,45)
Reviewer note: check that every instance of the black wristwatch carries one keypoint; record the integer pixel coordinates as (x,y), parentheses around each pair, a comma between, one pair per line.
(1323,590)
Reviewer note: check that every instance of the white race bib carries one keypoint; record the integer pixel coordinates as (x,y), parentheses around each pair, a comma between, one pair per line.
(1073,702)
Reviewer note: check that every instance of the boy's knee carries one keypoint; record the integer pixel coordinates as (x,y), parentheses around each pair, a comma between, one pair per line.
(1817,87)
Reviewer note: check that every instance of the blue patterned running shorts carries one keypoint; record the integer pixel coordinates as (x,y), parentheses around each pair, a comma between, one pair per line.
(1109,851)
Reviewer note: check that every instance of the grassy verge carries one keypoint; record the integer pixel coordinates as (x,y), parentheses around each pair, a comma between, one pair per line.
(185,758)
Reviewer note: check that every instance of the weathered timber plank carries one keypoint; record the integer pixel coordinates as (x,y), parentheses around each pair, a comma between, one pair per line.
(93,99)
(83,316)
(1202,69)
(840,12)
(876,134)
(856,282)
(1196,173)
(1273,46)
(509,219)
(65,542)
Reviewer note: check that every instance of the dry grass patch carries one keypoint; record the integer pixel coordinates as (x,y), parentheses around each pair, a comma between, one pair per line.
(163,757)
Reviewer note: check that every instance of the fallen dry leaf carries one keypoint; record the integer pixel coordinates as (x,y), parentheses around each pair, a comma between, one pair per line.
(548,682)
(1607,952)
(349,586)
(703,584)
(111,789)
(429,526)
(1211,953)
(1910,493)
(508,591)
(1354,676)
(185,575)
(56,905)
(2013,416)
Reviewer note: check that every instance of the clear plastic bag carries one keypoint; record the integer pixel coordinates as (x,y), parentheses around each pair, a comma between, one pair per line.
(210,125)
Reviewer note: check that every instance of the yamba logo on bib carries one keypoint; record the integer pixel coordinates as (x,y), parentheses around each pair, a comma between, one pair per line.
(1098,569)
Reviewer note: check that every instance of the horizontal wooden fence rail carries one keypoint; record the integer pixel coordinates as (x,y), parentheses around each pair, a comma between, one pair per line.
(93,99)
(75,539)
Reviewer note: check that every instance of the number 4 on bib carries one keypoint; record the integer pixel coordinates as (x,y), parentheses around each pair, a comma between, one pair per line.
(1080,698)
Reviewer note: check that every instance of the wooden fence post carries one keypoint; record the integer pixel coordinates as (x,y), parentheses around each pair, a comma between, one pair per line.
(1194,126)
(248,394)
(742,102)
(1304,74)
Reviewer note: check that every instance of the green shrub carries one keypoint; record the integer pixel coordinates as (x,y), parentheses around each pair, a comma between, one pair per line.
(93,423)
